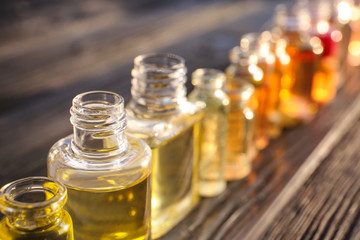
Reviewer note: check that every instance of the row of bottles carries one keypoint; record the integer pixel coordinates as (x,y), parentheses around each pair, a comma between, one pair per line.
(135,171)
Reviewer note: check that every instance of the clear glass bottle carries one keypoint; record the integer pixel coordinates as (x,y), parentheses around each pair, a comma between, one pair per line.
(297,105)
(244,67)
(240,131)
(33,209)
(208,89)
(160,114)
(106,171)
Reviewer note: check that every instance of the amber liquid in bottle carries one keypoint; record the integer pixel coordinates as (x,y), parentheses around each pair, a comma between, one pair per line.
(296,101)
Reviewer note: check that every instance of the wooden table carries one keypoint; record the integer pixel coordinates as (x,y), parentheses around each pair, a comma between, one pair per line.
(305,185)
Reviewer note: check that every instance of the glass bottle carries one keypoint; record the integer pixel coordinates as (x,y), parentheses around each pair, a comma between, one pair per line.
(270,53)
(244,67)
(160,114)
(213,129)
(33,209)
(106,171)
(240,131)
(297,105)
(326,78)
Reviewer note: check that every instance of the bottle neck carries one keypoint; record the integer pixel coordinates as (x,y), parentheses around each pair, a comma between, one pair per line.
(33,203)
(99,121)
(158,83)
(208,80)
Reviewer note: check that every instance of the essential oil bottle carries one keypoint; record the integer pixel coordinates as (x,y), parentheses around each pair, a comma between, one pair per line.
(240,131)
(297,104)
(244,67)
(208,89)
(33,209)
(160,114)
(270,52)
(106,171)
(325,35)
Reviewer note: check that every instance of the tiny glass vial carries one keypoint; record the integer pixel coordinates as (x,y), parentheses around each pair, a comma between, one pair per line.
(297,105)
(244,67)
(33,209)
(106,171)
(213,129)
(160,114)
(240,131)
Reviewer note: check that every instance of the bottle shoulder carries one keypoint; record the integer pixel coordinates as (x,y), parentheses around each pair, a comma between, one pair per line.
(103,172)
(154,129)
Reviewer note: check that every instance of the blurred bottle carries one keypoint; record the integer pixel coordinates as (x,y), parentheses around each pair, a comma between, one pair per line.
(346,12)
(208,89)
(244,67)
(270,51)
(297,104)
(353,57)
(318,14)
(240,131)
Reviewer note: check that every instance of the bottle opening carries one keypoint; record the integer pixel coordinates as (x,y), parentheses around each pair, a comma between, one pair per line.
(160,60)
(208,77)
(34,196)
(97,100)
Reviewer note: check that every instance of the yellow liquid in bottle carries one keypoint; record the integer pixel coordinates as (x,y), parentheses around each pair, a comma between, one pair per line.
(116,213)
(59,228)
(53,233)
(174,190)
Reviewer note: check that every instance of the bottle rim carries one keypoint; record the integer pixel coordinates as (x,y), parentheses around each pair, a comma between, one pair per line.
(9,192)
(98,109)
(208,77)
(163,60)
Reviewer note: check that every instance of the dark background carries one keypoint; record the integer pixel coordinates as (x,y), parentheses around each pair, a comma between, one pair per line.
(52,50)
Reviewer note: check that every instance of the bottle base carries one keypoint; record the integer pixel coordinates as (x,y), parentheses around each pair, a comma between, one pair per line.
(167,218)
(211,188)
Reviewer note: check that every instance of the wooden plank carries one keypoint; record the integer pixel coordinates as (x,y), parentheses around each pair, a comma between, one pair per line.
(306,170)
(327,205)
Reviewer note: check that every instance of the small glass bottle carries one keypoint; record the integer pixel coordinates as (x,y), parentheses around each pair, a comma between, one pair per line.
(318,14)
(213,129)
(297,105)
(33,209)
(240,131)
(160,114)
(269,61)
(244,67)
(106,171)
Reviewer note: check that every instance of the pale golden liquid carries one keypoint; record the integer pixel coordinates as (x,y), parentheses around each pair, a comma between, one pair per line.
(112,213)
(174,190)
(213,130)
